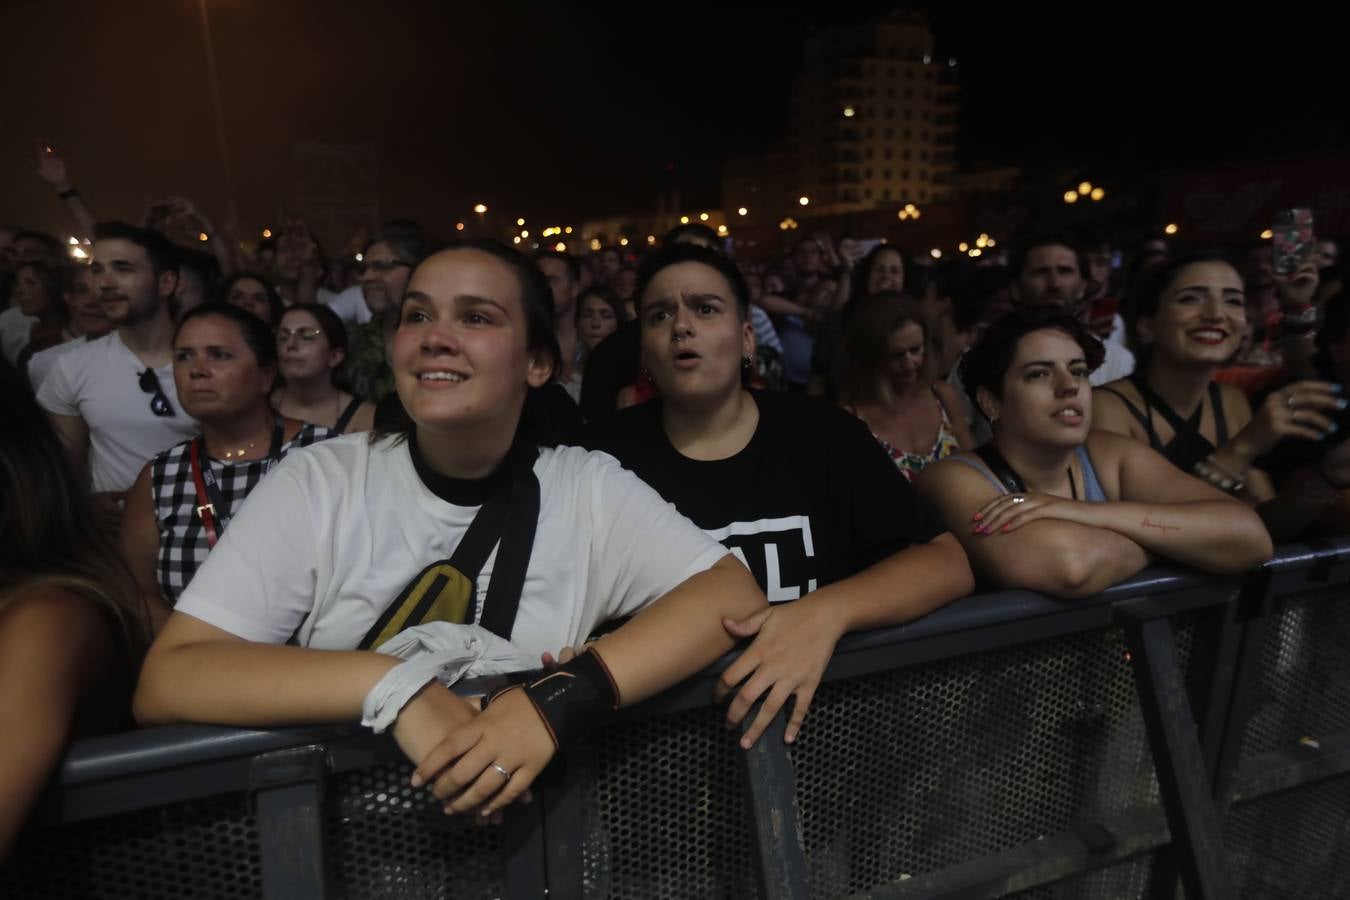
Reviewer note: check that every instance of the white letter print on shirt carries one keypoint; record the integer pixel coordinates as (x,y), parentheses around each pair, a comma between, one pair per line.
(757,545)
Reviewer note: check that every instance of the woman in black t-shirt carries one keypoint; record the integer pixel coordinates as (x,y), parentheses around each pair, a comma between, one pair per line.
(795,487)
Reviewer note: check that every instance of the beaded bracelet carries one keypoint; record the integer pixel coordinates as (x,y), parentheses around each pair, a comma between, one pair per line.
(1210,472)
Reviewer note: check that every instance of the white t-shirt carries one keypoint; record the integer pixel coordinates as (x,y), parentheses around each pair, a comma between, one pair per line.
(40,364)
(99,381)
(339,529)
(15,330)
(349,304)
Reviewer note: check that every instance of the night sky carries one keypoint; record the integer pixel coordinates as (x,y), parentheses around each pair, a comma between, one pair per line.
(568,112)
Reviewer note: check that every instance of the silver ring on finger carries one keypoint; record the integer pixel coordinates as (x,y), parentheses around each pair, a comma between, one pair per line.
(500,771)
(1289,399)
(1018,498)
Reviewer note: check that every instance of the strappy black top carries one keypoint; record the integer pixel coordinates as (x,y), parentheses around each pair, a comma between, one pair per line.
(1188,446)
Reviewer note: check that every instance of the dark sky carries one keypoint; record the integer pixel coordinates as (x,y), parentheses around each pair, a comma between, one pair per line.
(561,111)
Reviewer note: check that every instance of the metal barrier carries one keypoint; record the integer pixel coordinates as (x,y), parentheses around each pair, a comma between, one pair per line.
(1179,728)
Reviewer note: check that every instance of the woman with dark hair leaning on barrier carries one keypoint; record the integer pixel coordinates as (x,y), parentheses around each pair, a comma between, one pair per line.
(311,348)
(1191,314)
(794,486)
(72,625)
(386,542)
(224,366)
(1048,506)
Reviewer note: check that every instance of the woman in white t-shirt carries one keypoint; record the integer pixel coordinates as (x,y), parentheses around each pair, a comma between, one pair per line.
(346,542)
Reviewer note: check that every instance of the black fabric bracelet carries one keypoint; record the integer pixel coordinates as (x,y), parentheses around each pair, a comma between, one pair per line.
(573,696)
(68,193)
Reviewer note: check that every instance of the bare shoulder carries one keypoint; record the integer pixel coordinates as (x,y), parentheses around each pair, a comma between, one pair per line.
(948,395)
(956,477)
(1237,408)
(1111,410)
(48,610)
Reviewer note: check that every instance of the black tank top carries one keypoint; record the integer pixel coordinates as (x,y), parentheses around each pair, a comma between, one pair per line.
(1188,446)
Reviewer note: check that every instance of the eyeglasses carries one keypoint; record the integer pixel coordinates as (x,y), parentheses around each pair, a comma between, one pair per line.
(159,402)
(382,265)
(305,335)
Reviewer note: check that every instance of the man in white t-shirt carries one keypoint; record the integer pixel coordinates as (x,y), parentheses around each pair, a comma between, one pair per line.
(349,304)
(113,399)
(88,322)
(1049,272)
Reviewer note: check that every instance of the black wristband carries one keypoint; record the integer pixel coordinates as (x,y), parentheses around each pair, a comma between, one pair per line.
(68,193)
(573,696)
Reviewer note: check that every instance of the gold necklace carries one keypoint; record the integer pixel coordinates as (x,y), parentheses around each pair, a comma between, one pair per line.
(239,454)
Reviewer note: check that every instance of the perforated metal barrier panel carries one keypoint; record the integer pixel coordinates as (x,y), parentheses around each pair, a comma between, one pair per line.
(388,841)
(204,850)
(926,771)
(898,773)
(1296,843)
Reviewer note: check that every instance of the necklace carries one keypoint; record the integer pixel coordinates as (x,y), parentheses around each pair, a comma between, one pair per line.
(239,454)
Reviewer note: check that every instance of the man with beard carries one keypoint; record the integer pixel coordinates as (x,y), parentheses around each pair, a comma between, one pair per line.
(1049,272)
(88,321)
(113,399)
(388,260)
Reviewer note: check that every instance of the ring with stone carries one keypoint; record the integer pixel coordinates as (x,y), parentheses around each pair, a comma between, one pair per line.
(1018,498)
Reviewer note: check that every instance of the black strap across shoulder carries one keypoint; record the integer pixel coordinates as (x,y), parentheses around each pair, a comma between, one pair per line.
(506,520)
(1000,468)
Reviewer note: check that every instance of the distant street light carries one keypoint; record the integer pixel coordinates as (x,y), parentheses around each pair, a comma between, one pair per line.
(1170,229)
(803,200)
(480,209)
(1070,196)
(742,211)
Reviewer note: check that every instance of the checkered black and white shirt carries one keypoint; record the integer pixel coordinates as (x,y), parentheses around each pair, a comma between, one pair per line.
(182,539)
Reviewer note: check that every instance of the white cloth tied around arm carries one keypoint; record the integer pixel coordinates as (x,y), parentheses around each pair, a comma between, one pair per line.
(441,650)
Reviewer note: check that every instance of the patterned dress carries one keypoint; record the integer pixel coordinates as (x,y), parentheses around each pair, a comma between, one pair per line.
(911,464)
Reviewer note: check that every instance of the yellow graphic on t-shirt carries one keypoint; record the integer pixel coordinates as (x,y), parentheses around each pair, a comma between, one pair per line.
(441,593)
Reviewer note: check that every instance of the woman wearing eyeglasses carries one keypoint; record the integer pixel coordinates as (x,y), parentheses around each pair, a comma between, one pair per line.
(224,365)
(311,346)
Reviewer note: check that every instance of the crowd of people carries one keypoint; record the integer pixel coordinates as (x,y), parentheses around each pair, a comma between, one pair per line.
(264,487)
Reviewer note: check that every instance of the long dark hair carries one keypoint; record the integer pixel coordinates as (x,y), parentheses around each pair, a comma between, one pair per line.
(51,536)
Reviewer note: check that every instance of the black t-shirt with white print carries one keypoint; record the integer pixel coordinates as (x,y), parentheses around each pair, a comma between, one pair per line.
(811,500)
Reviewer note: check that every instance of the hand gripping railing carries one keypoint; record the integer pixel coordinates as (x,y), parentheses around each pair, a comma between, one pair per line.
(1008,742)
